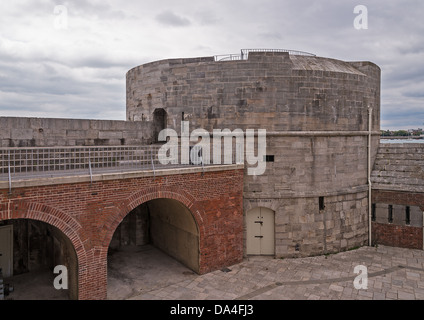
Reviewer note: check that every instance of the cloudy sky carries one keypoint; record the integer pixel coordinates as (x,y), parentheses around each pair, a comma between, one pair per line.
(47,70)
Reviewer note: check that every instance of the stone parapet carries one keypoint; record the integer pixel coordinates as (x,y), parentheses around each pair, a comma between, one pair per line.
(47,132)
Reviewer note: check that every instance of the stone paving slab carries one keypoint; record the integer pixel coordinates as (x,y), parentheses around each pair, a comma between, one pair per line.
(392,274)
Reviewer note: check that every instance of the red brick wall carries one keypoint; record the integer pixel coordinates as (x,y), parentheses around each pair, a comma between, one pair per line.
(397,236)
(88,214)
(398,197)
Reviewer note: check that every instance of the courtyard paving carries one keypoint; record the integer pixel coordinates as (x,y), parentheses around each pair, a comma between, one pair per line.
(391,274)
(146,273)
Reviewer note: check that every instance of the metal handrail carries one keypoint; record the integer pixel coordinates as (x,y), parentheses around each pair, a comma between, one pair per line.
(153,163)
(244,54)
(9,175)
(45,162)
(228,57)
(58,161)
(89,166)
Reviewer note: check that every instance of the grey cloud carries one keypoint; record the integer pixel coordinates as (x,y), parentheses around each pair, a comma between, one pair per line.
(169,18)
(207,18)
(271,35)
(94,10)
(409,70)
(86,75)
(43,82)
(415,94)
(99,62)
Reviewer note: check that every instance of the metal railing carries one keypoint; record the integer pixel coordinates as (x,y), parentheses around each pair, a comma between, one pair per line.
(46,162)
(228,57)
(30,163)
(244,54)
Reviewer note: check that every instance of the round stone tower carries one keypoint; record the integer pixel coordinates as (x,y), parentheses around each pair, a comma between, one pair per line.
(318,114)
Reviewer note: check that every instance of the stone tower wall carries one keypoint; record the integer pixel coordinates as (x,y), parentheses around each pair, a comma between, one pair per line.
(315,111)
(273,91)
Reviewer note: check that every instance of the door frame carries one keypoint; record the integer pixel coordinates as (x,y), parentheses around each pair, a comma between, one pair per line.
(248,235)
(9,272)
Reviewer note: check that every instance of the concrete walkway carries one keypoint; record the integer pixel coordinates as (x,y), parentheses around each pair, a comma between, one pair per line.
(392,273)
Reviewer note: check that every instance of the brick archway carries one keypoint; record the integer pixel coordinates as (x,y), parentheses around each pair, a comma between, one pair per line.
(89,213)
(56,218)
(140,197)
(160,193)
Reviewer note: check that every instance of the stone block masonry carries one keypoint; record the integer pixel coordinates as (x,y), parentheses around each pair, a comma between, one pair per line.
(315,112)
(51,132)
(276,91)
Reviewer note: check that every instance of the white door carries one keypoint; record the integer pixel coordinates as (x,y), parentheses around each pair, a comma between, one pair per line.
(6,250)
(260,232)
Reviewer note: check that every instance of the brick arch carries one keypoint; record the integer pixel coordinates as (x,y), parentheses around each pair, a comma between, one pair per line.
(138,198)
(56,218)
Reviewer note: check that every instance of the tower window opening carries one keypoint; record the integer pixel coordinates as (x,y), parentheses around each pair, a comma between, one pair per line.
(269,158)
(390,214)
(321,203)
(408,215)
(373,212)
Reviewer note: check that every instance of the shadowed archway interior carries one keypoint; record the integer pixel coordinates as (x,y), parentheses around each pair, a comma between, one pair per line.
(37,248)
(166,224)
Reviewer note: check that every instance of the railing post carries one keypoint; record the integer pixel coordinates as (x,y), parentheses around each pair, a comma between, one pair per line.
(9,174)
(153,164)
(203,166)
(89,165)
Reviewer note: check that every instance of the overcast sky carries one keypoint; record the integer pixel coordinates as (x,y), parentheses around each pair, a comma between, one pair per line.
(47,70)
